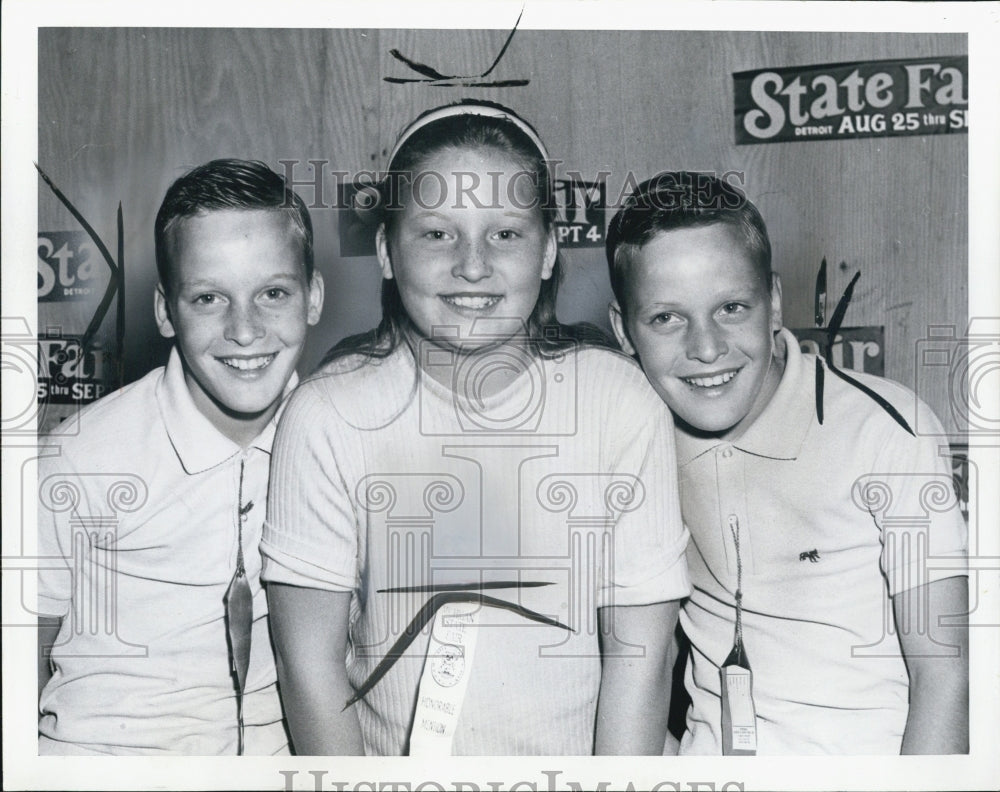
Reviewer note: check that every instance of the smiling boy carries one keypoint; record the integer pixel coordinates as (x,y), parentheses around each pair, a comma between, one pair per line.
(799,571)
(156,616)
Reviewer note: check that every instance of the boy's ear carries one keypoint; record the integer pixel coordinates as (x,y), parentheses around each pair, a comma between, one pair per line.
(161,309)
(776,320)
(551,251)
(315,298)
(618,325)
(382,251)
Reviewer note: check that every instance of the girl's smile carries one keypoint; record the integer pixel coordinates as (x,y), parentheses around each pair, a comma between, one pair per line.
(473,303)
(477,248)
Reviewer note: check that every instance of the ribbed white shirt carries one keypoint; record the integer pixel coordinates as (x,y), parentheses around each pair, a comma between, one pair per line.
(383,479)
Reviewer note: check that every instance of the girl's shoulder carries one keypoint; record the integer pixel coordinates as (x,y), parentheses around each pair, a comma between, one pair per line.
(602,361)
(612,384)
(363,390)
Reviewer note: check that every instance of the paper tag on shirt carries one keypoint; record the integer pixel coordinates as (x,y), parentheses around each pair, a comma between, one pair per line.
(447,669)
(739,720)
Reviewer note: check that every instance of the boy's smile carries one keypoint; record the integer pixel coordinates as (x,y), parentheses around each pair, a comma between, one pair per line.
(702,323)
(250,365)
(712,381)
(238,310)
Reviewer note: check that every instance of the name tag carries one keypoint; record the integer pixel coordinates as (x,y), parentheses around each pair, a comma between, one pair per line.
(739,720)
(444,680)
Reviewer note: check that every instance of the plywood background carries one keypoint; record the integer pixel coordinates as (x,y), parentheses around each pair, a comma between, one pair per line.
(123,112)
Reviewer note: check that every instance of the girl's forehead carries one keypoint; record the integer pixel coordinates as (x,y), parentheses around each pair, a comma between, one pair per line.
(478,177)
(480,157)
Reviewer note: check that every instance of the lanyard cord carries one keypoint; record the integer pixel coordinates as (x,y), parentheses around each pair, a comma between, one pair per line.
(738,716)
(241,515)
(734,527)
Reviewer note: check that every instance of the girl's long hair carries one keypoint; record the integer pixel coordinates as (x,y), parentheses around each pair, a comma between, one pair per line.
(546,335)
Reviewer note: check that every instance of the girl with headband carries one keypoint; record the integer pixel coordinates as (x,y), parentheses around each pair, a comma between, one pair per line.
(473,503)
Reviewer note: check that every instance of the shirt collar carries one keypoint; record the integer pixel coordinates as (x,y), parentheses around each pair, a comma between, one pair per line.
(198,444)
(781,428)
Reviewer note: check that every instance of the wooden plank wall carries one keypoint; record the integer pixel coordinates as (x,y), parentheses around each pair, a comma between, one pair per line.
(122,112)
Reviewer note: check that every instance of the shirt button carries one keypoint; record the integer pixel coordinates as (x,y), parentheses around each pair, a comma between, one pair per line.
(727,452)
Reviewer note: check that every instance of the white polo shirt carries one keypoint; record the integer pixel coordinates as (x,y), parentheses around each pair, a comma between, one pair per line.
(138,517)
(833,519)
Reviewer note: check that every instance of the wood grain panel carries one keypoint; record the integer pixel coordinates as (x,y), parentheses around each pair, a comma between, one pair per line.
(122,112)
(348,117)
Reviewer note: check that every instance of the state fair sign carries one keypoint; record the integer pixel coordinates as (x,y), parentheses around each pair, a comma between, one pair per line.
(917,96)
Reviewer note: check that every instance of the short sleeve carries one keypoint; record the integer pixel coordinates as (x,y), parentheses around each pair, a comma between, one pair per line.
(58,498)
(911,495)
(310,536)
(649,536)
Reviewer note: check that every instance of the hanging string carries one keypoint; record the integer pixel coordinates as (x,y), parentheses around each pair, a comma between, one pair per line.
(240,569)
(238,602)
(734,527)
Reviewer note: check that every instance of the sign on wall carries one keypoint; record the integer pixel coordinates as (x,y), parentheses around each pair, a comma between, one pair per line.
(887,98)
(854,348)
(77,281)
(69,268)
(67,374)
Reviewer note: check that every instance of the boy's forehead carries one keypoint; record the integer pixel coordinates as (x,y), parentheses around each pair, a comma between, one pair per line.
(227,221)
(709,245)
(699,262)
(227,248)
(218,228)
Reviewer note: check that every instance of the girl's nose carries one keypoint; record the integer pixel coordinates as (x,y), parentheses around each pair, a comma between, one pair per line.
(472,264)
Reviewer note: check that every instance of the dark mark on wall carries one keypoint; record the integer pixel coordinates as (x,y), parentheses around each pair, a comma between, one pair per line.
(433,77)
(832,330)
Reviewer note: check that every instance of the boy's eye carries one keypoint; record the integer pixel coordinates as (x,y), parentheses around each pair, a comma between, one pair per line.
(206,299)
(275,293)
(663,318)
(506,234)
(731,308)
(435,234)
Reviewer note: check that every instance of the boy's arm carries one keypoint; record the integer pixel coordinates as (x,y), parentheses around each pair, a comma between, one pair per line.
(634,700)
(938,719)
(310,631)
(48,631)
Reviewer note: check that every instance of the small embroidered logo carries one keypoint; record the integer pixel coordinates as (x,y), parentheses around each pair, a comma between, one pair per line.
(812,555)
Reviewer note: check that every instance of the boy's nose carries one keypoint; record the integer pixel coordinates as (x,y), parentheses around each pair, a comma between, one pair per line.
(472,264)
(706,342)
(244,325)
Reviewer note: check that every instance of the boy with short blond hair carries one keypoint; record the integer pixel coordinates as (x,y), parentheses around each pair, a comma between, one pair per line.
(802,574)
(153,512)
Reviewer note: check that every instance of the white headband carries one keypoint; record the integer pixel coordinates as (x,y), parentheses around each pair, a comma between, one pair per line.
(449,111)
